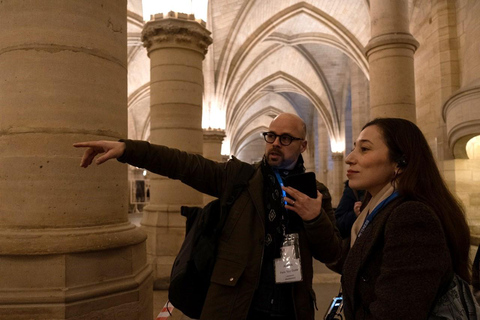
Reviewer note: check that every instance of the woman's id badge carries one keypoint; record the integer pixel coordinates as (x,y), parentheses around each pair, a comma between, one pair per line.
(288,267)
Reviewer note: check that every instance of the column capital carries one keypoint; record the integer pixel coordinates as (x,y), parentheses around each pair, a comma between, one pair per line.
(213,135)
(462,118)
(337,156)
(176,30)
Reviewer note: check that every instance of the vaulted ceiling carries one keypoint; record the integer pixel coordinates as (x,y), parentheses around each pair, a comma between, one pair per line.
(272,56)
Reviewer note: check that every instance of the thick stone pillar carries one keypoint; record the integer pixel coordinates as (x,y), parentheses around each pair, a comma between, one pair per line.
(336,189)
(212,149)
(390,55)
(322,152)
(360,101)
(67,250)
(176,45)
(212,143)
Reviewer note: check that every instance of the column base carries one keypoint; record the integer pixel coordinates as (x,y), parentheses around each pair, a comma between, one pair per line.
(89,285)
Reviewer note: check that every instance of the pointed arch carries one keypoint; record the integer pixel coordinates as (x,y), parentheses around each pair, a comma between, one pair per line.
(239,135)
(258,90)
(139,122)
(243,142)
(228,69)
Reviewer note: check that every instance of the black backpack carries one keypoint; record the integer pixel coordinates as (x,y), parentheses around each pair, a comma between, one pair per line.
(193,266)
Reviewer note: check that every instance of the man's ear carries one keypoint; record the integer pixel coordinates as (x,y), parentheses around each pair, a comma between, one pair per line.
(303,146)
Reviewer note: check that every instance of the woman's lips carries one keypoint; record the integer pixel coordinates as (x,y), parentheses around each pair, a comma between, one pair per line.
(351,173)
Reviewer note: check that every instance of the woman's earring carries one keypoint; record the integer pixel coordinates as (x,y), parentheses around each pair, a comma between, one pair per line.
(395,175)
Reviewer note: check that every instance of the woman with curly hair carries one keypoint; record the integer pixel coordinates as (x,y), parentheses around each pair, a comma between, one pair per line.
(411,236)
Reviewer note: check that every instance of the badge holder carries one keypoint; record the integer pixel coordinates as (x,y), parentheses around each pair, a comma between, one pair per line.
(288,267)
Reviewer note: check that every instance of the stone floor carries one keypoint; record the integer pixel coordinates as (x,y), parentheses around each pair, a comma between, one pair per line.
(324,292)
(326,285)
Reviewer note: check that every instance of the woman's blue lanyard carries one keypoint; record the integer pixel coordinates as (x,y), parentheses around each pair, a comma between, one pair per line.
(375,211)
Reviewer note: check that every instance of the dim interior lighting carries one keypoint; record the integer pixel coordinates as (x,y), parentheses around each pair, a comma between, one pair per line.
(225,147)
(197,7)
(213,117)
(337,146)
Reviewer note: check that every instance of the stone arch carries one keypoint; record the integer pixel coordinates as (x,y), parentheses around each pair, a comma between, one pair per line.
(247,138)
(297,86)
(308,58)
(240,135)
(139,113)
(227,71)
(319,38)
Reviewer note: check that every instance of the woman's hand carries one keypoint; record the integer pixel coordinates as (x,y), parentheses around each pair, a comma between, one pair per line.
(356,207)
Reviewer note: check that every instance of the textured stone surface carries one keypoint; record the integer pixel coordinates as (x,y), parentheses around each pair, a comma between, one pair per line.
(68,250)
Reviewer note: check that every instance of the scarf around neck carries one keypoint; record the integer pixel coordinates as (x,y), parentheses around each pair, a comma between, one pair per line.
(374,202)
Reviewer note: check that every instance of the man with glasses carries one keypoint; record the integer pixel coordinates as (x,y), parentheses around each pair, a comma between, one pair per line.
(264,266)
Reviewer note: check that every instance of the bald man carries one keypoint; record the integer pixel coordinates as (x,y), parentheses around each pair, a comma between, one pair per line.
(264,265)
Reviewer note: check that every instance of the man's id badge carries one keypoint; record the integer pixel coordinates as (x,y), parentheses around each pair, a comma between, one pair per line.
(288,267)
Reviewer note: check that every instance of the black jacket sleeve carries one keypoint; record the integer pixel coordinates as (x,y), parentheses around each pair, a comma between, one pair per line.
(202,174)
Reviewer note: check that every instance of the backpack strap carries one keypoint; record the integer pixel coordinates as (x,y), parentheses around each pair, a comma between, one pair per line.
(238,173)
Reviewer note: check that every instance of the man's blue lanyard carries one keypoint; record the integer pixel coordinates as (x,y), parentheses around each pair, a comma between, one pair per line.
(284,194)
(375,211)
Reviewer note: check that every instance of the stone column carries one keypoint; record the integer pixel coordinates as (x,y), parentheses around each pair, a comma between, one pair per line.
(176,45)
(360,101)
(212,143)
(67,250)
(336,189)
(390,55)
(322,151)
(212,149)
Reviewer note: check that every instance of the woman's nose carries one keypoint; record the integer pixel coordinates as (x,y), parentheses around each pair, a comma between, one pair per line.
(349,159)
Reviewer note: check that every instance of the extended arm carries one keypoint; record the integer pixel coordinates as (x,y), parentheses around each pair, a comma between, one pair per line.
(194,170)
(110,150)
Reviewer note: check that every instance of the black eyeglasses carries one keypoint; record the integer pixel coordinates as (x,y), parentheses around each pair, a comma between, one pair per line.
(285,139)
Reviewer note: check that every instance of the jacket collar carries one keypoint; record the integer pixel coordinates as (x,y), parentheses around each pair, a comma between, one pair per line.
(299,166)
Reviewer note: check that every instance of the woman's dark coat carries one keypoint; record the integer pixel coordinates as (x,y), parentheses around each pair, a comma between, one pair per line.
(397,266)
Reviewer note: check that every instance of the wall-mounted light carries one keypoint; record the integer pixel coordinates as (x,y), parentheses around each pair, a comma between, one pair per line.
(226,147)
(213,117)
(473,148)
(337,146)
